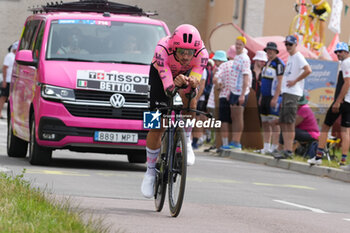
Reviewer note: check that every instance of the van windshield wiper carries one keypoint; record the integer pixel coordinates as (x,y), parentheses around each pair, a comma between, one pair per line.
(71,59)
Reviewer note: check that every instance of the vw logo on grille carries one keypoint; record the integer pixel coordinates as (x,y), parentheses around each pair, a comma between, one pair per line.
(117,100)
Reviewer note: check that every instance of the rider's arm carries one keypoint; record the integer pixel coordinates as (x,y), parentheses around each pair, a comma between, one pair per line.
(199,62)
(160,62)
(202,83)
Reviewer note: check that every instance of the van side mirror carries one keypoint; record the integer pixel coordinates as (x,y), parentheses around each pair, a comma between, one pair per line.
(25,57)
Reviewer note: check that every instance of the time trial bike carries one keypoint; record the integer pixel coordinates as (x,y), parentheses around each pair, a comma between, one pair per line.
(171,165)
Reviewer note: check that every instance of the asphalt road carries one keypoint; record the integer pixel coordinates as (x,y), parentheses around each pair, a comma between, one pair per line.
(222,195)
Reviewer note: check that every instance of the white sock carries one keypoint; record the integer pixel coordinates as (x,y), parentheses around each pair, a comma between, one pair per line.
(224,141)
(188,131)
(152,156)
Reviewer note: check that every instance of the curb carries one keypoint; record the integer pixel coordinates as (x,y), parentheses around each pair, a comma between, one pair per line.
(333,173)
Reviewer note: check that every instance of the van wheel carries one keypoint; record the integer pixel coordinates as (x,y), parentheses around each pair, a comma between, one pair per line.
(137,156)
(38,155)
(16,147)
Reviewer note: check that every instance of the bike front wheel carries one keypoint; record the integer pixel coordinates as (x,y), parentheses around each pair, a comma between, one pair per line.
(177,172)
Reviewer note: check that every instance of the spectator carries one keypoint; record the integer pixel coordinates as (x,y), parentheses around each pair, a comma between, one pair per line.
(7,72)
(306,128)
(231,52)
(270,99)
(205,87)
(220,58)
(235,76)
(339,107)
(297,69)
(260,60)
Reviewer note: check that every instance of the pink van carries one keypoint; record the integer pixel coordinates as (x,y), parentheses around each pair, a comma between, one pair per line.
(80,80)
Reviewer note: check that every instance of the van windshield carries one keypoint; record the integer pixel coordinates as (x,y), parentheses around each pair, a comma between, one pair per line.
(103,41)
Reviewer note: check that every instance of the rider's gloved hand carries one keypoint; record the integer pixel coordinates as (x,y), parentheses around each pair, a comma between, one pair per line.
(193,92)
(170,91)
(181,80)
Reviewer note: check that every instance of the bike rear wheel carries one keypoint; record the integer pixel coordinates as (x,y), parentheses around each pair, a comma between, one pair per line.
(160,186)
(177,173)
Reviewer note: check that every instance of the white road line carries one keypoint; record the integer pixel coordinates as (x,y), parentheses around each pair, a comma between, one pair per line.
(5,169)
(215,160)
(302,206)
(346,219)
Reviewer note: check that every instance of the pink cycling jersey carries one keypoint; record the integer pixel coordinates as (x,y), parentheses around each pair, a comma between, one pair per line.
(168,67)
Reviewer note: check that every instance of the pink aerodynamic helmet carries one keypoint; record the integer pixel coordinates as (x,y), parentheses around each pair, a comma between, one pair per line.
(186,36)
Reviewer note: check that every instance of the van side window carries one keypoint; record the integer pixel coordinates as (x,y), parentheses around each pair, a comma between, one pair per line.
(39,40)
(27,41)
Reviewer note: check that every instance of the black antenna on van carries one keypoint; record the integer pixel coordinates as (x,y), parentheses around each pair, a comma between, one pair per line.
(99,6)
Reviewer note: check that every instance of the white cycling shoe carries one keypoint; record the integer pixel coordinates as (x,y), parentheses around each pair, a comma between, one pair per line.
(190,154)
(147,186)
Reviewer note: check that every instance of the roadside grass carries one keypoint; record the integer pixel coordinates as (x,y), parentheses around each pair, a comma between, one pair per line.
(27,209)
(299,158)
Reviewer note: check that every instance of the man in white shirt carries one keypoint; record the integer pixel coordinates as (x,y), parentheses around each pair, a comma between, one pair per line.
(296,70)
(340,106)
(7,72)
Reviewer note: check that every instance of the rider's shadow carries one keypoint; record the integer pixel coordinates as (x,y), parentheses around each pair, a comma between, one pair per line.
(95,164)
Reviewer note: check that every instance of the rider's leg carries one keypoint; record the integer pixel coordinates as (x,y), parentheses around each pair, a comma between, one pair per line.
(152,148)
(193,105)
(322,27)
(307,29)
(153,142)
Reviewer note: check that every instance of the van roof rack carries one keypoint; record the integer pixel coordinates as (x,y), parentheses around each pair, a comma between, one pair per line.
(99,6)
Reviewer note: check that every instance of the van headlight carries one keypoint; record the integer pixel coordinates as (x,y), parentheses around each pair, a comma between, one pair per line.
(58,93)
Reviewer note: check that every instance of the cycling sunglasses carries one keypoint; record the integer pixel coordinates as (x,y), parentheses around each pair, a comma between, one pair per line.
(182,51)
(288,44)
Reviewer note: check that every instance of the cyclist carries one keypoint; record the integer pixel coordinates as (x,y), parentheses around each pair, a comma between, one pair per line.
(179,60)
(321,9)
